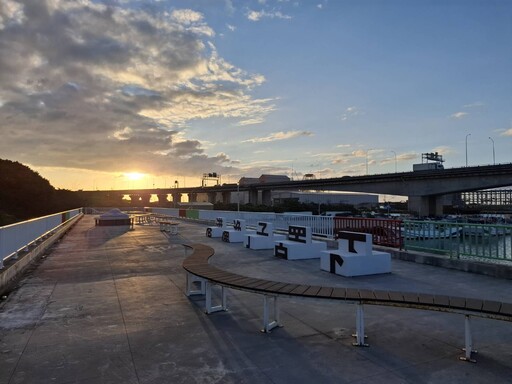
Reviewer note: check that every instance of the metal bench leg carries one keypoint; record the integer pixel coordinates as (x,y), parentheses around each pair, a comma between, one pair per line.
(468,341)
(359,335)
(191,279)
(267,324)
(209,308)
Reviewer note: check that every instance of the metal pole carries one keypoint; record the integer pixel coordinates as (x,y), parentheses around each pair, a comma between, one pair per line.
(395,159)
(367,159)
(238,197)
(493,153)
(469,134)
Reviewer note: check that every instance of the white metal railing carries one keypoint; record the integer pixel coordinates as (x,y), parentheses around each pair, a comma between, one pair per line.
(320,225)
(17,237)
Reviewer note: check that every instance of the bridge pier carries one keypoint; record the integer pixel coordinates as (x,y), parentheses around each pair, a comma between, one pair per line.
(134,199)
(266,197)
(145,198)
(162,199)
(226,197)
(431,205)
(253,196)
(212,196)
(176,197)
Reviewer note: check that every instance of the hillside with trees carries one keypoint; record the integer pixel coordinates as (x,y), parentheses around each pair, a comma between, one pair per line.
(24,194)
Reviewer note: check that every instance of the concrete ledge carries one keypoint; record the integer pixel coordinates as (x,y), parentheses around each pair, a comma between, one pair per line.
(489,269)
(13,269)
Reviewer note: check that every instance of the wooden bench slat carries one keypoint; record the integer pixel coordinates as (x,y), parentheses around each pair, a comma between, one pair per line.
(506,309)
(277,287)
(410,297)
(396,296)
(457,302)
(442,300)
(340,293)
(474,304)
(352,294)
(325,292)
(312,291)
(266,284)
(366,294)
(300,289)
(491,306)
(424,298)
(381,295)
(287,288)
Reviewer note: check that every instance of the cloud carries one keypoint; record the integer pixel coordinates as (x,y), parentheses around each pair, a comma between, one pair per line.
(349,113)
(258,15)
(105,88)
(443,150)
(400,157)
(279,136)
(476,104)
(458,115)
(508,132)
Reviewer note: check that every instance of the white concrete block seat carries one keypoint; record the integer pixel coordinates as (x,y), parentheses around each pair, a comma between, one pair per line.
(263,238)
(355,256)
(299,245)
(237,234)
(219,228)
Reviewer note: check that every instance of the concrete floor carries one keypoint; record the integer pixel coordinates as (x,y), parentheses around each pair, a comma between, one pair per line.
(108,306)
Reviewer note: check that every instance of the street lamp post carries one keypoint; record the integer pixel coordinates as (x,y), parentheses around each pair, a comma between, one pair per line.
(367,159)
(238,197)
(395,159)
(493,153)
(469,134)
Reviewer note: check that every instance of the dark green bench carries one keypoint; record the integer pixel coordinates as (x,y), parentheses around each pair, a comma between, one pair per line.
(206,275)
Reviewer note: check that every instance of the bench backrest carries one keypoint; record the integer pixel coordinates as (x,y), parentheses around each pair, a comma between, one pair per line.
(265,229)
(239,225)
(355,243)
(299,234)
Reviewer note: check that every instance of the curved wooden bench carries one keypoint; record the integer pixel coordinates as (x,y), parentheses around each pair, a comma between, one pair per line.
(200,271)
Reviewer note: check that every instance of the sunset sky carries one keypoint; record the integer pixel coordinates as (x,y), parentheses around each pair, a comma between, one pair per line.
(125,93)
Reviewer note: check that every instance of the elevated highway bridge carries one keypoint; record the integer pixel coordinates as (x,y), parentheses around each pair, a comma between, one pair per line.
(427,191)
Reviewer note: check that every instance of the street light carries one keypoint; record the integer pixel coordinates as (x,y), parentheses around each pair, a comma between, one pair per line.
(395,159)
(368,150)
(493,153)
(238,197)
(469,134)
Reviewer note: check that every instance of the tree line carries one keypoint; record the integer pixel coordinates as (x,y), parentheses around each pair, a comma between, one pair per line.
(25,194)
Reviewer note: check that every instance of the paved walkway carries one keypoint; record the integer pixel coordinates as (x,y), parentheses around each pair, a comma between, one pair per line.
(108,306)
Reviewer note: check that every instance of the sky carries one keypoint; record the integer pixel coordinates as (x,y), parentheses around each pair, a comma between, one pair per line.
(119,94)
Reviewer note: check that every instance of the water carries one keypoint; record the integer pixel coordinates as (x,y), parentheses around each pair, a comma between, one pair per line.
(461,241)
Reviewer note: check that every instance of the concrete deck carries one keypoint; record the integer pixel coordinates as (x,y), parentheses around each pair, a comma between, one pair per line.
(108,306)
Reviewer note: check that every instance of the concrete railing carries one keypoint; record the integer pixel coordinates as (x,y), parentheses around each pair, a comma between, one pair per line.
(17,237)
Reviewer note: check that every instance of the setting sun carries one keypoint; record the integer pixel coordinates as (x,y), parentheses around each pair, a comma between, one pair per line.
(134,176)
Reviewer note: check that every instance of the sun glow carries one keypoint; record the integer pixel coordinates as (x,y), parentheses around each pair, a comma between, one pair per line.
(134,176)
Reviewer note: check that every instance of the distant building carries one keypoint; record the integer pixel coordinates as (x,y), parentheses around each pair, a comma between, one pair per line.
(263,179)
(273,179)
(249,180)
